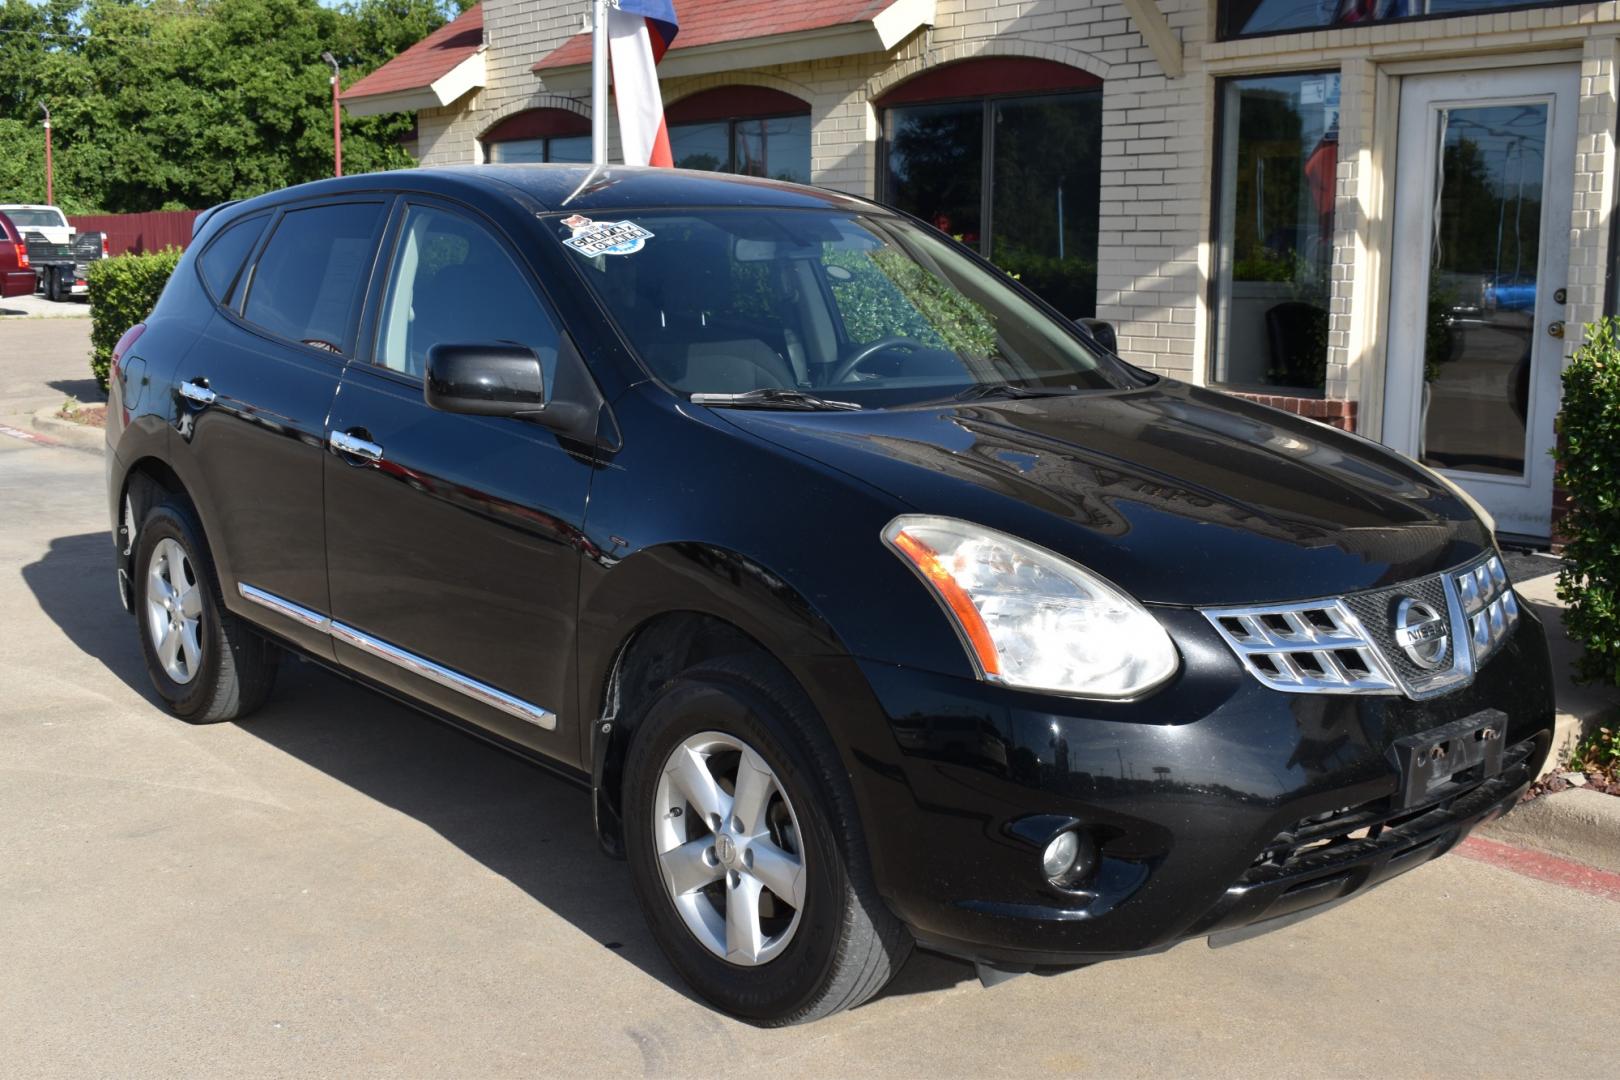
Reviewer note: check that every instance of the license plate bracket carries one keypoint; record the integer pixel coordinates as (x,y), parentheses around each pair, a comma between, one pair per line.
(1457,754)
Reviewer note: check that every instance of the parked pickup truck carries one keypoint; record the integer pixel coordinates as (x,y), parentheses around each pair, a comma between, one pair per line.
(59,255)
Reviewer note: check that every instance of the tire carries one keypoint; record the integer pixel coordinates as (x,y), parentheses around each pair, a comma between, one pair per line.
(213,667)
(53,285)
(841,944)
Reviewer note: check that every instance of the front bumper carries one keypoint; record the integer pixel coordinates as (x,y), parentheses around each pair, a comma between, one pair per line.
(1220,807)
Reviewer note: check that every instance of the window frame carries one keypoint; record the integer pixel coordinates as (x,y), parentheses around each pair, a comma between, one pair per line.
(248,260)
(1224,33)
(248,276)
(1212,293)
(365,356)
(987,138)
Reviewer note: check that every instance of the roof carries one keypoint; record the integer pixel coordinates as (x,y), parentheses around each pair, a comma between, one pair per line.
(616,188)
(449,60)
(719,26)
(624,187)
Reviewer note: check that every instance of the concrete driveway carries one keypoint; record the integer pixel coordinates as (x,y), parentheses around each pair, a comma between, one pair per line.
(340,887)
(38,307)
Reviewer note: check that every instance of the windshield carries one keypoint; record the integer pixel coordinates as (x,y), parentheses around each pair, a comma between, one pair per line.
(864,309)
(36,219)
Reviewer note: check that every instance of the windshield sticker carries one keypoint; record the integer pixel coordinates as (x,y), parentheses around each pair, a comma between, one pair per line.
(593,238)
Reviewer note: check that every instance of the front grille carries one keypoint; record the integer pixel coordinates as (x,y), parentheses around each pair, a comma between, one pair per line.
(1323,841)
(1451,622)
(1310,648)
(1376,610)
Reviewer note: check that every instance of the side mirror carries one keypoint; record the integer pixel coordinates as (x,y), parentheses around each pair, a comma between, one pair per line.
(485,380)
(1101,332)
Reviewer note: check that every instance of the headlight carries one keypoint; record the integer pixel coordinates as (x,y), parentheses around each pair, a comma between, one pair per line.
(1031,618)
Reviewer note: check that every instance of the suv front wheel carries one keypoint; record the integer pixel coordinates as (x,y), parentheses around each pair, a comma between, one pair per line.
(745,851)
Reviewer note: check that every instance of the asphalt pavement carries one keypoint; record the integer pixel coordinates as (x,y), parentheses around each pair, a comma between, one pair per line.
(341,887)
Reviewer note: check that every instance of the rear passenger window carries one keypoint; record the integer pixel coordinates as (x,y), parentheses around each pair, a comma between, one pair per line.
(307,283)
(221,260)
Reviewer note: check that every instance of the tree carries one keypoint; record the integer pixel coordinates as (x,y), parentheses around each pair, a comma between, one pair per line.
(185,103)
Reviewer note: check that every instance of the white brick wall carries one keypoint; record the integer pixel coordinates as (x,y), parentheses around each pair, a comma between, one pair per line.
(1157,160)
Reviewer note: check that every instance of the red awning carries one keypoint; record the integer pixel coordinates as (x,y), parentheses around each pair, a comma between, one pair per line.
(709,23)
(411,77)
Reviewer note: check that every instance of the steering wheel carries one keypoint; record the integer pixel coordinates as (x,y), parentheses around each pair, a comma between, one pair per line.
(848,365)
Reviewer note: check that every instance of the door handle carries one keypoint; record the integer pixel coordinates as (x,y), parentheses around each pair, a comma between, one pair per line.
(196,391)
(347,443)
(1556,329)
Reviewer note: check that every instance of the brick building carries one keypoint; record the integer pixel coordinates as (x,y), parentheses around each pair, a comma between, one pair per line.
(1380,213)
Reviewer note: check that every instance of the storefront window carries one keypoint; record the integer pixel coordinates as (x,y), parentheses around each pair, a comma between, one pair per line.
(537,136)
(1278,159)
(1242,18)
(1027,193)
(733,129)
(574,149)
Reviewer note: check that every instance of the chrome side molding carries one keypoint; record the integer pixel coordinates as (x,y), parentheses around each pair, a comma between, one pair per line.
(416,665)
(312,619)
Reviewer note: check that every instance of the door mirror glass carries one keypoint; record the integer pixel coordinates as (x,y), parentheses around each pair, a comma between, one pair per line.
(485,379)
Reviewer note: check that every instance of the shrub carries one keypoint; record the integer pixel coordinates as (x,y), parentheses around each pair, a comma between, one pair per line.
(123,292)
(1589,467)
(1599,753)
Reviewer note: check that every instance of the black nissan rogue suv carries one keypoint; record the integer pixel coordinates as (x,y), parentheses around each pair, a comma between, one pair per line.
(875,602)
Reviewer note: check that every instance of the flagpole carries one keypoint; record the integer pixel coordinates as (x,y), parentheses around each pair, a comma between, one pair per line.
(599,83)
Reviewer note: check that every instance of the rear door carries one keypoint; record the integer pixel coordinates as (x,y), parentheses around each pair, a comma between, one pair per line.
(453,542)
(255,393)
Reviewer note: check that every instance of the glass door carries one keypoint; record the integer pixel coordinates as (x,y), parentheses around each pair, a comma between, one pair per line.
(1484,171)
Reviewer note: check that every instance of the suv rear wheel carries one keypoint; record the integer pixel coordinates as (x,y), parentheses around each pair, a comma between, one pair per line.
(206,664)
(745,849)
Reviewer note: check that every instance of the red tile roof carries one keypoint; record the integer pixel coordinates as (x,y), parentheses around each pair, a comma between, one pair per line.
(424,63)
(711,22)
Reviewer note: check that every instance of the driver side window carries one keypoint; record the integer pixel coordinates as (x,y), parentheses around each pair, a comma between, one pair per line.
(452,282)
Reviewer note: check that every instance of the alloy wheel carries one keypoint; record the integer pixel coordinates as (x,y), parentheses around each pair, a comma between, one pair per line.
(728,847)
(174,611)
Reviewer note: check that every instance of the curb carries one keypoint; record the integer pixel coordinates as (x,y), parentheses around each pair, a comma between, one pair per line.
(76,436)
(1576,824)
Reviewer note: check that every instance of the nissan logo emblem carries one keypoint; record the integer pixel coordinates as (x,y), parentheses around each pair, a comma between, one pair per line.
(1421,633)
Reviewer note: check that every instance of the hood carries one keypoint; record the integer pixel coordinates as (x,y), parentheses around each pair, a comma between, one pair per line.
(1179,495)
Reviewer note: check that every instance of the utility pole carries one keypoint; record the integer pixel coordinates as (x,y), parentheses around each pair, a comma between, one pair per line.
(50,181)
(337,117)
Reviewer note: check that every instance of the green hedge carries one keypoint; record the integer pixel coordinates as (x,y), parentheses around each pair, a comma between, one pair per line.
(123,292)
(1589,468)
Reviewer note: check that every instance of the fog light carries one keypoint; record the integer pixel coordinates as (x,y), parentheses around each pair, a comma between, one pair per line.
(1058,858)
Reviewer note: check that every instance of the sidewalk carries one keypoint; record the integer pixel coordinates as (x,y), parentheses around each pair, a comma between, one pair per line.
(1577,823)
(1579,706)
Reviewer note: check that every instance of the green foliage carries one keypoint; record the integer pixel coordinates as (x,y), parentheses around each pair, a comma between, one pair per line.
(889,295)
(1599,752)
(1589,468)
(123,292)
(185,103)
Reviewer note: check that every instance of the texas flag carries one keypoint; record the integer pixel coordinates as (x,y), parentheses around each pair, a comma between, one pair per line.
(638,33)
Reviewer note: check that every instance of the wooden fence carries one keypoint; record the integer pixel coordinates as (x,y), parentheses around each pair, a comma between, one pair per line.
(139,233)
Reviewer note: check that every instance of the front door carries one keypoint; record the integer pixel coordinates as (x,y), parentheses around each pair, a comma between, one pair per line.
(1484,180)
(453,542)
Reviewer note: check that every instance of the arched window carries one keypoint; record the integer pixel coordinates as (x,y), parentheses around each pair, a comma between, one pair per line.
(752,130)
(539,135)
(1005,155)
